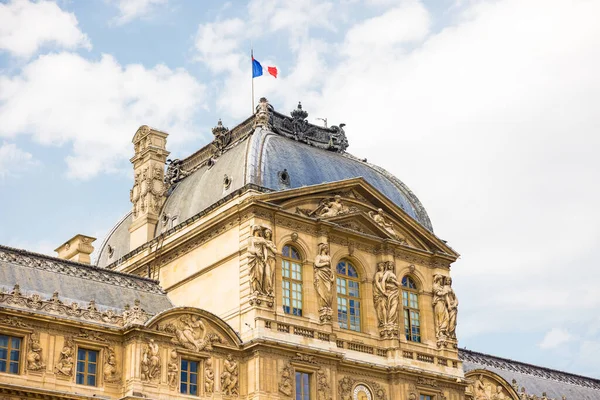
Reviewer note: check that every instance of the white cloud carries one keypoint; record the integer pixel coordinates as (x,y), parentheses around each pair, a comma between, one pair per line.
(96,106)
(14,160)
(26,26)
(132,9)
(554,338)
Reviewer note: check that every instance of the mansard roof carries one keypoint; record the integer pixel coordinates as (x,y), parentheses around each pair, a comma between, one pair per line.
(32,280)
(536,380)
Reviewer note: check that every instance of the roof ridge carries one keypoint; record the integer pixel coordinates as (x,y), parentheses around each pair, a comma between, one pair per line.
(462,352)
(141,282)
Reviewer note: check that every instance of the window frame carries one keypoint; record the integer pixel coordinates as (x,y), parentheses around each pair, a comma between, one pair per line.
(292,281)
(347,297)
(199,381)
(311,385)
(406,308)
(98,363)
(9,348)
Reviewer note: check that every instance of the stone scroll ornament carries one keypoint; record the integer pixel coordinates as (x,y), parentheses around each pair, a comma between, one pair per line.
(230,377)
(261,265)
(445,309)
(323,279)
(386,289)
(150,364)
(34,354)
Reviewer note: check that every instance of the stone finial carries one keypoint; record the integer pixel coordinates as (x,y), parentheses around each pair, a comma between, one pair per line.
(219,130)
(78,248)
(262,114)
(299,113)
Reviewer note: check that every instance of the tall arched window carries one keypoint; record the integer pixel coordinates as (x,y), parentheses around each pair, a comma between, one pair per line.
(348,296)
(410,301)
(291,273)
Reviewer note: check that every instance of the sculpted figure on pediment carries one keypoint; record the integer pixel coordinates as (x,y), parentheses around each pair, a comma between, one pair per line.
(323,282)
(479,389)
(380,220)
(499,394)
(328,208)
(191,333)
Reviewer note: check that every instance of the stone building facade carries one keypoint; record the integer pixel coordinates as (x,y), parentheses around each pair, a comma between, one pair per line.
(270,264)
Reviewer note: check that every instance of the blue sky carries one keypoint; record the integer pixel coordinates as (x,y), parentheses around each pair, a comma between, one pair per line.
(488,110)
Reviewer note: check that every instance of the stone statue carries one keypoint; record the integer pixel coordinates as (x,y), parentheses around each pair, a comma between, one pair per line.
(386,290)
(110,367)
(257,260)
(150,362)
(379,296)
(64,366)
(499,395)
(323,276)
(209,377)
(191,332)
(172,369)
(285,386)
(479,389)
(270,251)
(261,261)
(388,226)
(34,355)
(392,290)
(452,304)
(229,377)
(440,308)
(332,208)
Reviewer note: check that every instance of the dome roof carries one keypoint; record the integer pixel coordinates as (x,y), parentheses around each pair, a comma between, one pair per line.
(275,157)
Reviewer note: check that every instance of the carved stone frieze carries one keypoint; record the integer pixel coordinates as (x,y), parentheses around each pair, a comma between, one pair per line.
(285,381)
(34,353)
(110,370)
(65,363)
(150,363)
(307,358)
(173,369)
(427,382)
(323,280)
(91,335)
(230,377)
(191,332)
(13,321)
(323,387)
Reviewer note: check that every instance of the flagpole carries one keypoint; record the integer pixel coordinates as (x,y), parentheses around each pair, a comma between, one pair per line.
(252,58)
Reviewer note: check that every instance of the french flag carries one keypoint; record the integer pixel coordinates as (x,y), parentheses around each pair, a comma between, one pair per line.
(257,69)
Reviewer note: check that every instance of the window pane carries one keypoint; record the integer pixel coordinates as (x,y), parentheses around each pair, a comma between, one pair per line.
(92,356)
(91,380)
(341,268)
(91,368)
(16,343)
(194,366)
(194,390)
(183,387)
(3,341)
(286,251)
(352,271)
(14,355)
(14,368)
(79,379)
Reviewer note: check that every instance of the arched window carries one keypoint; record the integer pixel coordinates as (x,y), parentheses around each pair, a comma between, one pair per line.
(410,301)
(348,296)
(291,273)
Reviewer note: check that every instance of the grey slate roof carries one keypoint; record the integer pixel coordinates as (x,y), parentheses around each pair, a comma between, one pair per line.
(536,380)
(38,274)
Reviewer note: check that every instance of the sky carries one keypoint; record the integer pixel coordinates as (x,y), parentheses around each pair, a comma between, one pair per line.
(488,110)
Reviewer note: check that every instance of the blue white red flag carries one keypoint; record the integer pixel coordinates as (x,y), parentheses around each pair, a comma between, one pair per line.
(257,69)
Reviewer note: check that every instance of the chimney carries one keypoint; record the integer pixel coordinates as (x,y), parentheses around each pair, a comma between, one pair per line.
(78,249)
(147,194)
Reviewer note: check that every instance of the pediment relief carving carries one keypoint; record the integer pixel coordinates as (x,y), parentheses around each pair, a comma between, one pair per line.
(483,385)
(194,329)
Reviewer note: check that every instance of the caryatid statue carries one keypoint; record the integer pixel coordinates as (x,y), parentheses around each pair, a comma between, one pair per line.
(386,290)
(261,261)
(324,282)
(452,303)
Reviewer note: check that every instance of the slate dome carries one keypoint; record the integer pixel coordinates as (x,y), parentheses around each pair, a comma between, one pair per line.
(282,153)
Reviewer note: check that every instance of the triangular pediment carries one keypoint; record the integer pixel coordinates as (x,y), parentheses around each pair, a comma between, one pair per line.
(356,205)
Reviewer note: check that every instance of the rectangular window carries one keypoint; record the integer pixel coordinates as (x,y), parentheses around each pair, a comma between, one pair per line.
(426,397)
(10,354)
(189,377)
(292,287)
(87,366)
(302,386)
